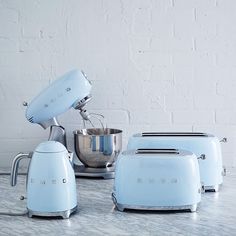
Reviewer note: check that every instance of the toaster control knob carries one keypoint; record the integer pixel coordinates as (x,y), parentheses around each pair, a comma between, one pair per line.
(203,157)
(22,198)
(25,104)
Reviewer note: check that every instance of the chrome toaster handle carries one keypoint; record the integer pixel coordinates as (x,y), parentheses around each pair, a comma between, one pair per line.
(15,165)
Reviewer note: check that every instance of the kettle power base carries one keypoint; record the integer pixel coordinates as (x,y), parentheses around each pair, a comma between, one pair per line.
(105,173)
(64,214)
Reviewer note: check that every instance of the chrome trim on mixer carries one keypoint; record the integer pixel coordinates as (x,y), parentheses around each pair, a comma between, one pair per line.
(64,214)
(81,103)
(47,123)
(85,114)
(122,207)
(105,173)
(58,133)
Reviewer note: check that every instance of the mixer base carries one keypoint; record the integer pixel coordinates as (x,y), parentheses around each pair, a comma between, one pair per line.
(105,173)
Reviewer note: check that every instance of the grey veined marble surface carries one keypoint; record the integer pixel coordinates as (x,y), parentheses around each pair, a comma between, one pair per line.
(97,216)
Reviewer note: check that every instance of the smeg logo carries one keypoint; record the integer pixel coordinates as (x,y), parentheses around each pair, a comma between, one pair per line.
(44,182)
(151,180)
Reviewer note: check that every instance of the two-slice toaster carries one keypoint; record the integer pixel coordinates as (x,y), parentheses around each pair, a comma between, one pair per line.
(205,146)
(157,179)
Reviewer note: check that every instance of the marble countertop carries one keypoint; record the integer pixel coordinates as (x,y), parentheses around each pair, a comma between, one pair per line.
(97,216)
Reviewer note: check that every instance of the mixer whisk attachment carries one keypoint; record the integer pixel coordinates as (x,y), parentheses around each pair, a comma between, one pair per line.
(87,117)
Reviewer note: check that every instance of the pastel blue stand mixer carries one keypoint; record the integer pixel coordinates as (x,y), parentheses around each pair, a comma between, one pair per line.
(51,185)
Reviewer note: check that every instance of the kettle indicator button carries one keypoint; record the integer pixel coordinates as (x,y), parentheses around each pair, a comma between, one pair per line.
(63,181)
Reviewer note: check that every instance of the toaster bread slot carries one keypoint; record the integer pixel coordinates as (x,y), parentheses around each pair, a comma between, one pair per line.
(156,151)
(180,134)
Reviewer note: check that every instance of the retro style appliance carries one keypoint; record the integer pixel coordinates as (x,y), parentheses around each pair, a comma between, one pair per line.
(160,179)
(203,145)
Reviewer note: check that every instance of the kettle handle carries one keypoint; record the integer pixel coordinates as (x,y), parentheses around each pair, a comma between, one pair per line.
(15,165)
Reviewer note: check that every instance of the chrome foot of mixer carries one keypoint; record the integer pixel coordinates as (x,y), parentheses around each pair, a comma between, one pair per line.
(105,173)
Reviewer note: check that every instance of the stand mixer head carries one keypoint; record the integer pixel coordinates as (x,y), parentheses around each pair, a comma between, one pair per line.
(70,90)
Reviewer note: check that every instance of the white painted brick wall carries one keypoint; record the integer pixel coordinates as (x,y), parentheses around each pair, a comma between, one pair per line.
(163,65)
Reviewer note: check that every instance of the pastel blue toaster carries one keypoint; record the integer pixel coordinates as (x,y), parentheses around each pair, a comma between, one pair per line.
(157,179)
(205,146)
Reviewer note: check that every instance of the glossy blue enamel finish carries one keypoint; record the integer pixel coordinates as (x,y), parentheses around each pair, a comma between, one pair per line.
(51,183)
(157,180)
(209,145)
(60,96)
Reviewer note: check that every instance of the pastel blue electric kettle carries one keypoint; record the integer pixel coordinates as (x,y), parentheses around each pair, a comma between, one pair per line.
(51,186)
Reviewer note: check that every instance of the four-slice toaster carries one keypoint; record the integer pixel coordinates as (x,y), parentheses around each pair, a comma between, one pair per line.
(205,146)
(157,179)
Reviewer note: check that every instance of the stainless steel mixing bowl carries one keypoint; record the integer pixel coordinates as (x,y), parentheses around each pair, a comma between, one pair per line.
(98,147)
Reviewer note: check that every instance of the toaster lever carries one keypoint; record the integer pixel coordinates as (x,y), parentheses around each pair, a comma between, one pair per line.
(224,140)
(223,171)
(203,157)
(202,188)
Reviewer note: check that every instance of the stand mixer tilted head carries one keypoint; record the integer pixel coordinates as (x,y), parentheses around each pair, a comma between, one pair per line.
(70,90)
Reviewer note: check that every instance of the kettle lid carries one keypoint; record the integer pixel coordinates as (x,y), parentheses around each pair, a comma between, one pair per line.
(50,146)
